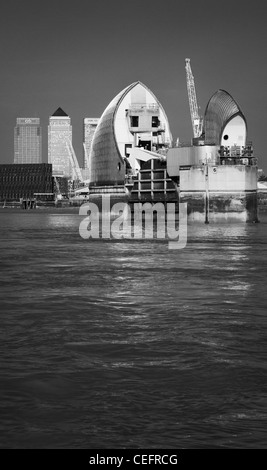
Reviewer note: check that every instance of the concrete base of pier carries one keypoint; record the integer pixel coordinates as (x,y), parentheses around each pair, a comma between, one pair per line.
(220,193)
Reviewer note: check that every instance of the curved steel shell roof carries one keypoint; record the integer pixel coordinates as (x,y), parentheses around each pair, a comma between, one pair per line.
(220,109)
(105,152)
(107,163)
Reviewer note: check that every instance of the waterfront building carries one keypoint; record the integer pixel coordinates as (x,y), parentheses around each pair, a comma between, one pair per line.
(25,180)
(60,143)
(27,141)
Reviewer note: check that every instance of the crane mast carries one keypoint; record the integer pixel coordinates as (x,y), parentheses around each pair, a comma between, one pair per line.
(86,155)
(195,118)
(74,162)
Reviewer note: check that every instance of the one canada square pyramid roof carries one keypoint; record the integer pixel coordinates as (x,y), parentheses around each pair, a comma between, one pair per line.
(60,113)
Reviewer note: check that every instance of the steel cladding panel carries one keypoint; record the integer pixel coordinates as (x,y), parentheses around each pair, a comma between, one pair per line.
(107,165)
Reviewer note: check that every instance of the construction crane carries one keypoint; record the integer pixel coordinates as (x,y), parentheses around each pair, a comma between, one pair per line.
(58,190)
(197,122)
(76,171)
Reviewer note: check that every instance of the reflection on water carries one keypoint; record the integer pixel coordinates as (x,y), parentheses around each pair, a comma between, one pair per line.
(125,343)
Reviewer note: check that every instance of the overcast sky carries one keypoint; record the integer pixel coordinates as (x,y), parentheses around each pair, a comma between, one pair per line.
(79,55)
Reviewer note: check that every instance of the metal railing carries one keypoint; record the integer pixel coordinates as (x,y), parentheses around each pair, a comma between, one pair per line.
(144,106)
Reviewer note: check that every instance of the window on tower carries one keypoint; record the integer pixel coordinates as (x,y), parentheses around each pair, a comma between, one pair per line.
(134,121)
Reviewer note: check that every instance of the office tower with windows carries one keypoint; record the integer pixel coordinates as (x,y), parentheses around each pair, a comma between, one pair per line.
(59,139)
(27,141)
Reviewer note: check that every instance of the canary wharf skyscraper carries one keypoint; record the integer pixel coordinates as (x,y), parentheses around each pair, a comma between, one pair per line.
(27,141)
(59,135)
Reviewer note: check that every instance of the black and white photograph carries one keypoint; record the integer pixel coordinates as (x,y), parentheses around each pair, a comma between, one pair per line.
(133,228)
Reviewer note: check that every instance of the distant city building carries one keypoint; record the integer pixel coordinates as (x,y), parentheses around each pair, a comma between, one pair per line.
(59,137)
(89,127)
(27,141)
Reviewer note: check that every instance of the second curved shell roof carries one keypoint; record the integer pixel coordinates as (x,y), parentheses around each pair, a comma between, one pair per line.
(220,109)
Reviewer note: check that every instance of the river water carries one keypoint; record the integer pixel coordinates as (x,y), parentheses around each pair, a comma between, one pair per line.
(127,344)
